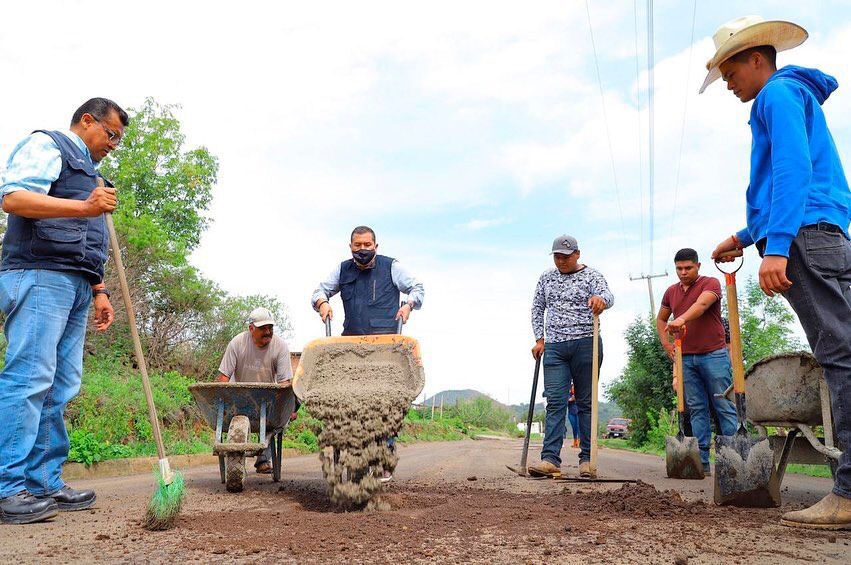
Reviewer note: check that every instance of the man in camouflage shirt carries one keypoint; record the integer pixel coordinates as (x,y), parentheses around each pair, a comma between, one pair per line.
(569,295)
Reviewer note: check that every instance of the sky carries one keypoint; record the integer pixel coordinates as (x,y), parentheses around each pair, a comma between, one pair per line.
(468,135)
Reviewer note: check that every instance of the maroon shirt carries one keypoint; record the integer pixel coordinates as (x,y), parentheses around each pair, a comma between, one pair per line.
(706,333)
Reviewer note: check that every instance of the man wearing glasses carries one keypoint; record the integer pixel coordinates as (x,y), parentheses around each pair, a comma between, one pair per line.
(51,270)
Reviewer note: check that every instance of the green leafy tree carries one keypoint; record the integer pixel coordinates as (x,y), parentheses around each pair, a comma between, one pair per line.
(766,325)
(645,384)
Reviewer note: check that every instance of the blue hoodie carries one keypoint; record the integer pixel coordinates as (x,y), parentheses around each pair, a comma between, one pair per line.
(796,176)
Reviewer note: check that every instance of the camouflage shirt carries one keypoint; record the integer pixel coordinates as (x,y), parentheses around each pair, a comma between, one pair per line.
(560,309)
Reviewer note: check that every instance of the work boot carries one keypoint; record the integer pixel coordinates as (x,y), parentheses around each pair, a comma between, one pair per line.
(24,508)
(575,442)
(585,470)
(69,499)
(833,512)
(544,469)
(263,468)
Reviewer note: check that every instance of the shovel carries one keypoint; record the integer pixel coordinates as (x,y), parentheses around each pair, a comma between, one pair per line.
(682,455)
(522,469)
(744,466)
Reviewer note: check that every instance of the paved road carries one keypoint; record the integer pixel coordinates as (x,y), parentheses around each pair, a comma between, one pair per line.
(450,502)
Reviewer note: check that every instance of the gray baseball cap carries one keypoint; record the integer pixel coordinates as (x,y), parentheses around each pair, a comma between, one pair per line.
(565,244)
(261,317)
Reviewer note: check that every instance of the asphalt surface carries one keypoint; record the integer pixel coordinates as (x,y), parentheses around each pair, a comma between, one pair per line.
(449,502)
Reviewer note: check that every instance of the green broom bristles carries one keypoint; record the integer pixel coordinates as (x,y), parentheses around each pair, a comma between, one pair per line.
(165,503)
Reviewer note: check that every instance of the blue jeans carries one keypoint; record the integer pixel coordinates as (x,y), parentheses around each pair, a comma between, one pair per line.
(573,418)
(567,362)
(46,314)
(820,269)
(704,376)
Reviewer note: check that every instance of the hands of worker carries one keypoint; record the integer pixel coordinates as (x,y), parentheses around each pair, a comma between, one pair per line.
(729,244)
(325,312)
(404,313)
(538,350)
(675,326)
(102,199)
(104,312)
(293,416)
(772,275)
(674,383)
(222,378)
(597,304)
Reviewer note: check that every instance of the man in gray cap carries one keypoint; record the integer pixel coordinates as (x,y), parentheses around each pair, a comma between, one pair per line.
(258,356)
(569,294)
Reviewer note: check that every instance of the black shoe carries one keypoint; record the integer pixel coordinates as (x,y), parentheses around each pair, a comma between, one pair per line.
(24,508)
(707,470)
(69,499)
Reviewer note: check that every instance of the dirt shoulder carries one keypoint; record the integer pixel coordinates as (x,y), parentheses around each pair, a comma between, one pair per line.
(450,502)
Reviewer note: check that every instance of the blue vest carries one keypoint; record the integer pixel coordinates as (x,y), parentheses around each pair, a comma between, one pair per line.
(370,298)
(77,245)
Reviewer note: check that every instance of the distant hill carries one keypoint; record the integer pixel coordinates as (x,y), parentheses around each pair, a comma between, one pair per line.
(449,397)
(607,410)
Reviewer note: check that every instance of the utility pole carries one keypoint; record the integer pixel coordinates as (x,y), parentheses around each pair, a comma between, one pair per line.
(650,289)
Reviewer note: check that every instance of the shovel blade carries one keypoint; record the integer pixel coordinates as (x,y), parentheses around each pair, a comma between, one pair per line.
(682,458)
(744,472)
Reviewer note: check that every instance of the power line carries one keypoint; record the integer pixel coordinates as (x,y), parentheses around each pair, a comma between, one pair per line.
(650,127)
(606,123)
(683,127)
(639,135)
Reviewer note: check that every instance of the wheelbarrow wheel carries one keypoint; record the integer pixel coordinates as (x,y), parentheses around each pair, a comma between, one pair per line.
(238,431)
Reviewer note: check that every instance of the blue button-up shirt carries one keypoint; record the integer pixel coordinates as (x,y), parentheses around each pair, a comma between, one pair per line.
(35,163)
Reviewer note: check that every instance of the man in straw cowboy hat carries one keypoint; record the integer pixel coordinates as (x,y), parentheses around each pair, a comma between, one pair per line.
(798,205)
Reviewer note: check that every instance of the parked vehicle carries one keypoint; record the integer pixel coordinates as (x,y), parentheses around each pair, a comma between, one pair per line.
(618,427)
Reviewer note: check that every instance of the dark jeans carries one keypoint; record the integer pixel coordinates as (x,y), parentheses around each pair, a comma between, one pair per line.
(820,270)
(567,362)
(573,418)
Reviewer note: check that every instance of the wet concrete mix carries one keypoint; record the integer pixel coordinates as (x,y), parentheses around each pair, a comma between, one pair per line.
(361,405)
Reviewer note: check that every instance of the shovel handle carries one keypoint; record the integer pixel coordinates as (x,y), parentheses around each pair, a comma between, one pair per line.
(736,355)
(678,370)
(595,375)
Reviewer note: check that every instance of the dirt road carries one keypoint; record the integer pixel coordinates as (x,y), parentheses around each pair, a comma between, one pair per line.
(450,502)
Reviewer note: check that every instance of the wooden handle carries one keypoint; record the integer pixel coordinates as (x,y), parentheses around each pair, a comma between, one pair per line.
(134,332)
(735,336)
(678,374)
(595,375)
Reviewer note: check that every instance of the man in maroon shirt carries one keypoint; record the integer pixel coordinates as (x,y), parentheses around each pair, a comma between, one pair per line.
(696,304)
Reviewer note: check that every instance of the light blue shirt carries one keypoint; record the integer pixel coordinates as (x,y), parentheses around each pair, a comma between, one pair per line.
(35,163)
(402,279)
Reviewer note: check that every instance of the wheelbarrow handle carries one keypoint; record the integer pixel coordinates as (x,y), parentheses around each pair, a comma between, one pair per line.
(328,326)
(400,322)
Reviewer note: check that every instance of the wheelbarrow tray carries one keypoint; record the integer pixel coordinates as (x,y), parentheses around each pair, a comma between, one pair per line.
(246,399)
(401,350)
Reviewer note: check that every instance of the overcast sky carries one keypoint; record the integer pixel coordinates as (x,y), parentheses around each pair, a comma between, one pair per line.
(467,134)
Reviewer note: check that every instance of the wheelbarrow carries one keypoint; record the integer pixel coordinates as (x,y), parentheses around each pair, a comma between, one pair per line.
(260,408)
(332,361)
(788,391)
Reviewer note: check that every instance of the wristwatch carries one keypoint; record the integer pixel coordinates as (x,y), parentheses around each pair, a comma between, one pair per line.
(101,291)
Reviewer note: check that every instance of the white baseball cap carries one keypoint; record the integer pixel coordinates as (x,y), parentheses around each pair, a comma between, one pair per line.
(261,317)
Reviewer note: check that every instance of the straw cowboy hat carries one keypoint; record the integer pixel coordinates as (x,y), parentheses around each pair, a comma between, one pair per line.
(750,31)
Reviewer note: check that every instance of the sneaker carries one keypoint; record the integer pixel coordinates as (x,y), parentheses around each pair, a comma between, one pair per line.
(707,470)
(544,469)
(69,499)
(386,476)
(24,508)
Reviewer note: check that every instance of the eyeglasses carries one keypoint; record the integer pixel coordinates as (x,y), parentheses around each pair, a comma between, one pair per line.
(112,136)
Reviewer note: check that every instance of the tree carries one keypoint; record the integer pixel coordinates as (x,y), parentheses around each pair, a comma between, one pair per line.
(766,325)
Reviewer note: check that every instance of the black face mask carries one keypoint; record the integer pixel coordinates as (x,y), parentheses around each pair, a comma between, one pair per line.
(363,256)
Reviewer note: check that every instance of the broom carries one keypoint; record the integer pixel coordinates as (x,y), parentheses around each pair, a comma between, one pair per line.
(167,499)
